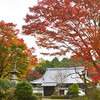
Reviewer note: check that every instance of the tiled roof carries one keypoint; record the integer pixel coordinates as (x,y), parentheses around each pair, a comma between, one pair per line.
(60,75)
(38,81)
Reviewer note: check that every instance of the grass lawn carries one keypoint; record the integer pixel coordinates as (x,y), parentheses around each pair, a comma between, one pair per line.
(54,99)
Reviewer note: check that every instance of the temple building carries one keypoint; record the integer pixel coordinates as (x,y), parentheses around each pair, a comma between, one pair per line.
(59,79)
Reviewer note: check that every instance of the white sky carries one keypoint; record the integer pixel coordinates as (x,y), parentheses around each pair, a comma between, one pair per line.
(15,11)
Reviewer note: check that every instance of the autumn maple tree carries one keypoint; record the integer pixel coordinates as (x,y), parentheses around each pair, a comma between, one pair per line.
(68,25)
(13,49)
(33,75)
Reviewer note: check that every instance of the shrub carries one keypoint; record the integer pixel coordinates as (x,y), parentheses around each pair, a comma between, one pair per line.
(4,84)
(2,93)
(10,94)
(34,97)
(23,90)
(73,90)
(37,94)
(94,94)
(91,95)
(69,90)
(59,97)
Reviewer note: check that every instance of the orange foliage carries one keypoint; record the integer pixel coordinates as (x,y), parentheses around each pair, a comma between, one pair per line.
(67,25)
(13,49)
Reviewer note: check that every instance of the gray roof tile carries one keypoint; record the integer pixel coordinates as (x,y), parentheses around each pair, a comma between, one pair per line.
(60,75)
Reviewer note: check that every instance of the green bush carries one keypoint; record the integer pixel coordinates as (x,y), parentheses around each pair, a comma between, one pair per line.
(2,93)
(23,90)
(59,97)
(34,97)
(94,94)
(37,94)
(10,94)
(4,84)
(69,90)
(73,90)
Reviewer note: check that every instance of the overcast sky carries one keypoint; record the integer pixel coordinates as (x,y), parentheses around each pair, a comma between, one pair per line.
(15,11)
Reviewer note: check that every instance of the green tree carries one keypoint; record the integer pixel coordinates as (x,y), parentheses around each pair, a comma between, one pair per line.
(4,84)
(64,62)
(73,90)
(42,68)
(55,63)
(69,90)
(23,90)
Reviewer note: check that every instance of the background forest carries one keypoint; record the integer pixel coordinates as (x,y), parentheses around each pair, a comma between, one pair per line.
(40,70)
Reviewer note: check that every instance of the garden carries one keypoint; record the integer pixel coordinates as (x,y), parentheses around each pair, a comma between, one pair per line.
(24,91)
(66,28)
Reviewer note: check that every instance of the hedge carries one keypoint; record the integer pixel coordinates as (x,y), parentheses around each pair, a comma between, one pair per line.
(59,97)
(37,94)
(34,97)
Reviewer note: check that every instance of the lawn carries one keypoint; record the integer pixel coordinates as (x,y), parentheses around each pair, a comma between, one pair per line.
(54,99)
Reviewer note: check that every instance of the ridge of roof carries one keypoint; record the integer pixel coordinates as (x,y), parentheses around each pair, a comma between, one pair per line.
(67,68)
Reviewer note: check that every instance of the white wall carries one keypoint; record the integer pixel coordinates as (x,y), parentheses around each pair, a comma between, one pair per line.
(38,90)
(41,90)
